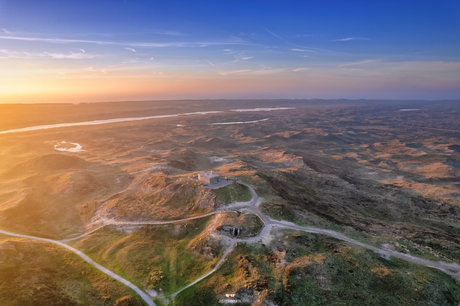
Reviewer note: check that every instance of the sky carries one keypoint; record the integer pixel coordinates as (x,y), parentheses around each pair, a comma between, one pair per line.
(119,50)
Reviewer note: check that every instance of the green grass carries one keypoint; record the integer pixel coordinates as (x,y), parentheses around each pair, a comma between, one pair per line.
(348,275)
(252,224)
(279,203)
(353,282)
(275,208)
(232,193)
(228,276)
(39,273)
(152,256)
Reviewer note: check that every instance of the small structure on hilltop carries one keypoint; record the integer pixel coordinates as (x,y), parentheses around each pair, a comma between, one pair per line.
(209,177)
(234,231)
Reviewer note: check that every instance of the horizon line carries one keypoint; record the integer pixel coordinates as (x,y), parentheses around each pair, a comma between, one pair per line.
(235,99)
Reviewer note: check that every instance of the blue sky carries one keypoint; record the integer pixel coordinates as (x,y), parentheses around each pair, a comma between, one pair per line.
(244,49)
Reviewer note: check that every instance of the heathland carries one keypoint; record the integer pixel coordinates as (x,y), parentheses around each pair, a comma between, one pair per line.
(385,173)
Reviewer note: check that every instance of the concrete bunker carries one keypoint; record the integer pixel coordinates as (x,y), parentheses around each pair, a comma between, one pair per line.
(235,232)
(209,177)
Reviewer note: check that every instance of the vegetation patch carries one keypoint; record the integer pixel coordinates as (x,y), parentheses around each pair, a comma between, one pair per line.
(311,269)
(154,257)
(232,193)
(39,273)
(251,224)
(275,208)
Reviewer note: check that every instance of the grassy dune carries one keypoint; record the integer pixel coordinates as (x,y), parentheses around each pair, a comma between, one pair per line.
(252,225)
(39,273)
(310,269)
(155,257)
(232,193)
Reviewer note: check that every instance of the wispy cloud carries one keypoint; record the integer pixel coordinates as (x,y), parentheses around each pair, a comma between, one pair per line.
(16,54)
(131,49)
(306,35)
(300,69)
(13,54)
(210,63)
(69,56)
(241,56)
(350,38)
(252,72)
(130,44)
(301,50)
(170,33)
(131,61)
(357,63)
(6,31)
(289,43)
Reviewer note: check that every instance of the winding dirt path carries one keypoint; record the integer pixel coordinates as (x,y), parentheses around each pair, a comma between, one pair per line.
(221,261)
(452,269)
(113,222)
(142,294)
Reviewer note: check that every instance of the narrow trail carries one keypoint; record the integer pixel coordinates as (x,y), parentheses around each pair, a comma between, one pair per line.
(142,294)
(452,269)
(221,261)
(113,222)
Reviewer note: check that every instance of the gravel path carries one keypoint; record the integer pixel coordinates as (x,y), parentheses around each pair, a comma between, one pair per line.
(221,261)
(143,295)
(452,269)
(113,222)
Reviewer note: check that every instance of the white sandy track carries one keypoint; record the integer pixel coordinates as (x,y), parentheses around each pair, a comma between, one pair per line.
(113,222)
(221,261)
(143,295)
(452,269)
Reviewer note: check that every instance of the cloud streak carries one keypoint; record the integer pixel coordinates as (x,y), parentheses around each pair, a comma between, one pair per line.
(16,54)
(300,69)
(170,33)
(252,72)
(130,44)
(289,43)
(350,38)
(68,56)
(357,63)
(210,63)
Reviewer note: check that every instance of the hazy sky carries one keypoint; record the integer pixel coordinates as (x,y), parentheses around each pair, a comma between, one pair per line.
(74,51)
